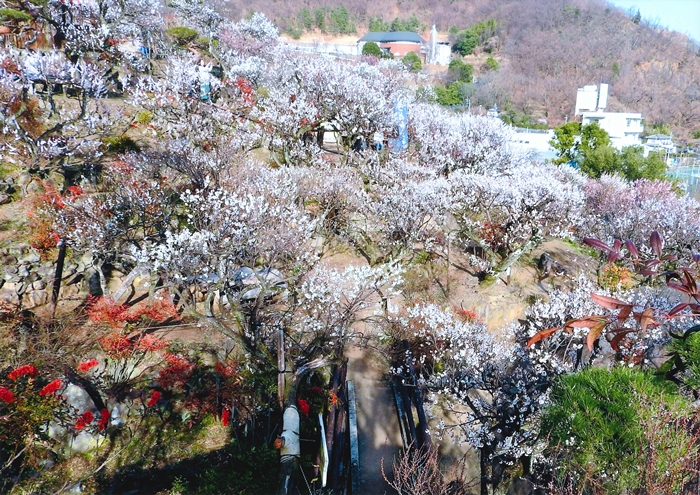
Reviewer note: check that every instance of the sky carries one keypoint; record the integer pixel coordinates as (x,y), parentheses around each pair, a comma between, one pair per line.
(676,15)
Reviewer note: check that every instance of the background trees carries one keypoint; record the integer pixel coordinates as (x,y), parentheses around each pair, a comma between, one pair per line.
(589,148)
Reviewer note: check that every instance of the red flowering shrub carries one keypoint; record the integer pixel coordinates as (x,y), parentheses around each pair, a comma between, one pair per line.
(105,310)
(157,310)
(104,418)
(116,345)
(228,369)
(51,388)
(44,207)
(7,395)
(84,420)
(155,397)
(27,369)
(151,343)
(177,371)
(304,406)
(85,366)
(467,315)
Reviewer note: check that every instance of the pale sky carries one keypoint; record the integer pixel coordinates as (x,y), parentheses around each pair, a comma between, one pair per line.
(676,15)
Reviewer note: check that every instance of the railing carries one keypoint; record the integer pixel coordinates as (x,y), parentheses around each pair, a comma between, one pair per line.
(687,170)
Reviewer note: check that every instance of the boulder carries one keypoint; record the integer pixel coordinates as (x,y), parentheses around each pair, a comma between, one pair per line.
(29,256)
(38,298)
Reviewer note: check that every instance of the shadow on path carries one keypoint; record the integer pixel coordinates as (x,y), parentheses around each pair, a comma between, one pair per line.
(377,424)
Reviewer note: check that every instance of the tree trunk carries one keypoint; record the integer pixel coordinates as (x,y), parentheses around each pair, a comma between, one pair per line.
(58,275)
(513,257)
(484,471)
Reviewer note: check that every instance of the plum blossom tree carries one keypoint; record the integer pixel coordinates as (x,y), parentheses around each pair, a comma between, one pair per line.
(508,213)
(49,133)
(449,142)
(492,388)
(353,100)
(406,209)
(621,210)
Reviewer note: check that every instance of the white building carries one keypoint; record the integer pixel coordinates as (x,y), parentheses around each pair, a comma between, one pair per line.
(535,142)
(624,129)
(660,143)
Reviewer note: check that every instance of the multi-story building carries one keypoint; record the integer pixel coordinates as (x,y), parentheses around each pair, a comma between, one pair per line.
(625,129)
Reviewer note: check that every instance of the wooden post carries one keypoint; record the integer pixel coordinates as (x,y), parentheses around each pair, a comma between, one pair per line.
(337,470)
(58,275)
(423,437)
(281,368)
(354,446)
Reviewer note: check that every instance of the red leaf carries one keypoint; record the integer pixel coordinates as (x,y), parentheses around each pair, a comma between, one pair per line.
(624,313)
(677,309)
(594,333)
(656,243)
(690,282)
(679,287)
(541,335)
(632,248)
(587,322)
(648,273)
(617,244)
(646,318)
(613,255)
(593,242)
(621,335)
(608,302)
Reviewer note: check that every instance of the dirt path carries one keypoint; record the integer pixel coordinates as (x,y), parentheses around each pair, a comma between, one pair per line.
(377,425)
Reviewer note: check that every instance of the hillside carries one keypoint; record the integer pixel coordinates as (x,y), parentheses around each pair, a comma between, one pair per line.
(546,49)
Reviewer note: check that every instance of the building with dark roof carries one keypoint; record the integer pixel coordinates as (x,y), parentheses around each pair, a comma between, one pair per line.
(398,43)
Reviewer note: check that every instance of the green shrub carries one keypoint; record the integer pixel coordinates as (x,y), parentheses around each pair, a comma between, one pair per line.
(491,63)
(371,49)
(120,144)
(412,61)
(143,117)
(295,32)
(449,95)
(341,22)
(465,43)
(377,24)
(183,35)
(459,71)
(602,422)
(7,14)
(320,19)
(305,19)
(687,350)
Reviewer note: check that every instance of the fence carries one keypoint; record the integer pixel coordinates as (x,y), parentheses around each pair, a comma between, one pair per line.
(687,170)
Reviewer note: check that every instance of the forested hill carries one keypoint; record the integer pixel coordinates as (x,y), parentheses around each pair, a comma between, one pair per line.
(545,49)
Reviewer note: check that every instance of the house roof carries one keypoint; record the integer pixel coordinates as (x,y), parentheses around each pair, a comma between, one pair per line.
(659,136)
(392,37)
